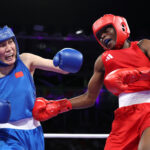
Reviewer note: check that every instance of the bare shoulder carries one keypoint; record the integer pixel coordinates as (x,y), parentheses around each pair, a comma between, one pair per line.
(27,59)
(144,44)
(25,56)
(144,41)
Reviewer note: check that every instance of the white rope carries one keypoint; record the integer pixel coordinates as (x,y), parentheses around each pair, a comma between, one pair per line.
(78,136)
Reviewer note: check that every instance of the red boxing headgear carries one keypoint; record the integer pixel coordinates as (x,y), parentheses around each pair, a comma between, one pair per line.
(119,23)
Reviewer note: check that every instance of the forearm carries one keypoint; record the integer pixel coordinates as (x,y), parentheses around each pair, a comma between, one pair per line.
(82,101)
(45,109)
(47,64)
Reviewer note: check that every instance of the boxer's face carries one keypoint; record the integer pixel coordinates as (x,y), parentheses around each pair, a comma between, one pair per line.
(8,52)
(107,37)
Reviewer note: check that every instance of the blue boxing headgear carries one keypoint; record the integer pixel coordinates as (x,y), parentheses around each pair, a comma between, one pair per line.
(6,33)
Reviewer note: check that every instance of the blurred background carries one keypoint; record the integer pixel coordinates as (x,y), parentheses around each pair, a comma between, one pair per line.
(44,27)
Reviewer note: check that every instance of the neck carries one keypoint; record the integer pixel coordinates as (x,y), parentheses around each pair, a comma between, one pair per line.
(126,44)
(6,70)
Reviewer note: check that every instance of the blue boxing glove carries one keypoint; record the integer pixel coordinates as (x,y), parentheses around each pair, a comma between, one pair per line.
(4,111)
(69,60)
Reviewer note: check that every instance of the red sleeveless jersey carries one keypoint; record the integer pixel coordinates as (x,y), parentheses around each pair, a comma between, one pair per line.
(124,58)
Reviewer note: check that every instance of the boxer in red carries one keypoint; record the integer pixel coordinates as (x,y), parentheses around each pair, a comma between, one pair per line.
(124,68)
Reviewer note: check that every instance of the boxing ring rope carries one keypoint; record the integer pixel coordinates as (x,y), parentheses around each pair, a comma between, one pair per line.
(78,136)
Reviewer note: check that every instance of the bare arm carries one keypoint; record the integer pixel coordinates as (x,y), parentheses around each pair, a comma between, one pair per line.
(36,62)
(44,109)
(95,84)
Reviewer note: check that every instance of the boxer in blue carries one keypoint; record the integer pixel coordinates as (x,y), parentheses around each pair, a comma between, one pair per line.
(18,129)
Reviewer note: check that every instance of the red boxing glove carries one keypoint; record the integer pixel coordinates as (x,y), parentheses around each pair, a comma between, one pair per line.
(117,81)
(44,109)
(145,73)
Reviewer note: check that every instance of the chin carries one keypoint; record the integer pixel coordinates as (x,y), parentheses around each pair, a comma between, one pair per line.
(11,62)
(111,47)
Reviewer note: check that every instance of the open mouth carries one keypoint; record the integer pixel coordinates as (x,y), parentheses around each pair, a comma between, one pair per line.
(9,57)
(106,42)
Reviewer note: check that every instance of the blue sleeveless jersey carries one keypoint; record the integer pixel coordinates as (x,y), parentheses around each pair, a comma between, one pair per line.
(18,89)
